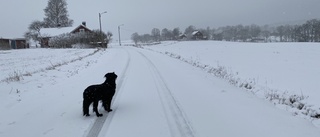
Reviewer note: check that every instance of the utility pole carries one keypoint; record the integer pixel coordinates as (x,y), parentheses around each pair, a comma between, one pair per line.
(101,39)
(119,34)
(100,20)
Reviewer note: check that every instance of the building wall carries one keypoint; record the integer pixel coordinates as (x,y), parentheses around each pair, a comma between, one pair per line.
(22,44)
(79,28)
(45,42)
(4,44)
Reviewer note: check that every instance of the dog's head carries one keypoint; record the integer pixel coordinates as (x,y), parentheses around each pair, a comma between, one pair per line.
(111,76)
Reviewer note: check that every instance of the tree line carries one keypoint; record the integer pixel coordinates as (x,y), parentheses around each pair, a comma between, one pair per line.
(157,35)
(306,32)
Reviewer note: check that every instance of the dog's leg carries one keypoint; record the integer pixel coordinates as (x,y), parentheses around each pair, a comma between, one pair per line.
(85,107)
(107,104)
(95,108)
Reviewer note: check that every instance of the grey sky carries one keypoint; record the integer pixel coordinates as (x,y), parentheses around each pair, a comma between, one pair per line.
(143,15)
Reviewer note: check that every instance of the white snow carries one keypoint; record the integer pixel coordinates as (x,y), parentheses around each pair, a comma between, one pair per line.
(50,32)
(284,69)
(170,89)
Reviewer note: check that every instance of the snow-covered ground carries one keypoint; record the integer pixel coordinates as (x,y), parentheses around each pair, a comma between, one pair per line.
(276,71)
(189,89)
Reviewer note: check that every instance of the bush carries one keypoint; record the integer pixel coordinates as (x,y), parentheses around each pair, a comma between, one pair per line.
(68,40)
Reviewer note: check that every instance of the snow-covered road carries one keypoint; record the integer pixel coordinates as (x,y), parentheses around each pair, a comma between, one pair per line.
(157,96)
(161,96)
(145,105)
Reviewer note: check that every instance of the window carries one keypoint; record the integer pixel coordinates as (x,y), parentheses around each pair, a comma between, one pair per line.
(81,30)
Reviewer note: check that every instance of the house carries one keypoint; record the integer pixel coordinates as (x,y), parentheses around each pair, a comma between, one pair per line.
(19,43)
(182,37)
(47,33)
(197,35)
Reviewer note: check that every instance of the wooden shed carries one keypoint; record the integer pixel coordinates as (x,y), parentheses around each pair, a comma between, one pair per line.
(19,43)
(4,44)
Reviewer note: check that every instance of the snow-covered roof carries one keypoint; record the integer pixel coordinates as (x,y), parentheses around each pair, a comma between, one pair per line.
(182,35)
(51,32)
(195,32)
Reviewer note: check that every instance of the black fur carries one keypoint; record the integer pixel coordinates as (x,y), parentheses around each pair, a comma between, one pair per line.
(103,92)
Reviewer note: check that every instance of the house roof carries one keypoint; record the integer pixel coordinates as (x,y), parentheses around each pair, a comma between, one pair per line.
(81,26)
(51,32)
(12,38)
(195,32)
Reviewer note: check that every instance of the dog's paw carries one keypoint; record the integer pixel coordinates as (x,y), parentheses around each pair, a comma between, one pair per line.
(87,115)
(99,115)
(109,110)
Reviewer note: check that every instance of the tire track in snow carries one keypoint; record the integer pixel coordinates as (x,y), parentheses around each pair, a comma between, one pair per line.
(175,115)
(100,121)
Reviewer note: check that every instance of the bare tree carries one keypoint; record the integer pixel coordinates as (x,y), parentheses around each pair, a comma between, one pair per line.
(135,37)
(108,37)
(166,34)
(280,32)
(147,38)
(188,31)
(255,31)
(176,32)
(34,31)
(57,14)
(155,33)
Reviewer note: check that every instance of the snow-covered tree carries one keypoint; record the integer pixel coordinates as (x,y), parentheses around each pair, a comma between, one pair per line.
(57,14)
(166,34)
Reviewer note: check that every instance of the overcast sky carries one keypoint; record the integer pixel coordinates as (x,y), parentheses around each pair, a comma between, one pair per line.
(143,15)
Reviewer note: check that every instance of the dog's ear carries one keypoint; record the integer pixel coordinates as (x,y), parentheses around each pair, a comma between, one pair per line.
(115,75)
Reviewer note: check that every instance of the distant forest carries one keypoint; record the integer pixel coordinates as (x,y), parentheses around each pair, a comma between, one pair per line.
(307,32)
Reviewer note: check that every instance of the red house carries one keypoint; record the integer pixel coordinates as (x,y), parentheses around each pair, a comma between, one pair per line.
(47,33)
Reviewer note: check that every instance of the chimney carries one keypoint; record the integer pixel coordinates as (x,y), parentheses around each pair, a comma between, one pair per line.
(84,23)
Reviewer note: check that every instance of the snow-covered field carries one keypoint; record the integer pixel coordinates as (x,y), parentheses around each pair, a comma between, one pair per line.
(285,73)
(189,89)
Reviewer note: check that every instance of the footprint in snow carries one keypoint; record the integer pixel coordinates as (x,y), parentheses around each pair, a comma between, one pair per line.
(46,132)
(12,123)
(63,114)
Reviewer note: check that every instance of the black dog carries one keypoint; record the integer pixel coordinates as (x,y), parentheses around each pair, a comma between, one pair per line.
(103,92)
